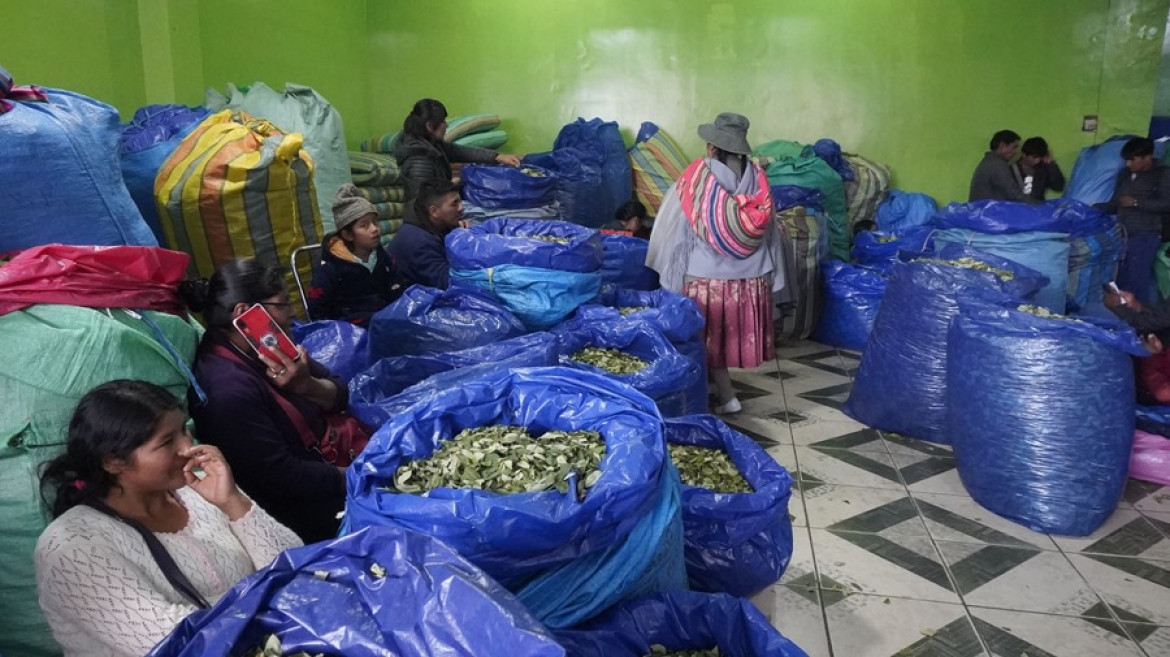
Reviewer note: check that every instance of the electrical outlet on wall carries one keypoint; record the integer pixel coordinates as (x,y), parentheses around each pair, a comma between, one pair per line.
(1089,123)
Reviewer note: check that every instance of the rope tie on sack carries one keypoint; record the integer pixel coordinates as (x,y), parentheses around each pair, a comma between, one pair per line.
(20,94)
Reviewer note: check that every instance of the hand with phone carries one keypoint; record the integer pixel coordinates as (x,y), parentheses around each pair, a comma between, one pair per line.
(1114,297)
(287,364)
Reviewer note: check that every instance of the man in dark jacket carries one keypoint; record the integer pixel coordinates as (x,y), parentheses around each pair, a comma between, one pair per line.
(1141,201)
(995,178)
(418,247)
(355,277)
(1038,171)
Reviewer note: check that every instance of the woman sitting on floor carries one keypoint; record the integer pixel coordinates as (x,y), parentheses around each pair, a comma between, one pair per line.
(128,471)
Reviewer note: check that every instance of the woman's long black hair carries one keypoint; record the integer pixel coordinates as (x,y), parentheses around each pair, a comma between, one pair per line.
(238,281)
(110,422)
(426,111)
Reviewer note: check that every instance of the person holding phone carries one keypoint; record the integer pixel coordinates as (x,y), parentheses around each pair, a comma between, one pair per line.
(261,402)
(129,467)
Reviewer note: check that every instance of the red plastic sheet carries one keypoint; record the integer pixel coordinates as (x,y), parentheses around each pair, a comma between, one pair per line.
(141,277)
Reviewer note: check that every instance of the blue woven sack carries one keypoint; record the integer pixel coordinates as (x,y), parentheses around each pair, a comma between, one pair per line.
(426,320)
(340,346)
(852,297)
(902,210)
(624,263)
(1041,413)
(510,188)
(901,382)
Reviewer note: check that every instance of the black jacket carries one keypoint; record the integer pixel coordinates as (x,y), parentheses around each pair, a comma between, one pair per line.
(995,178)
(1044,177)
(421,160)
(343,288)
(1151,189)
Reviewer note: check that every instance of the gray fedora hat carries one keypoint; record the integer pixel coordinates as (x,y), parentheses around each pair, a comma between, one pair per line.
(728,132)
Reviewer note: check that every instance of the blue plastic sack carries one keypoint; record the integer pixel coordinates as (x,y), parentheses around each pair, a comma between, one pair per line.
(517,537)
(1154,419)
(340,346)
(624,263)
(1094,176)
(602,146)
(902,210)
(1044,252)
(1092,262)
(667,376)
(680,620)
(376,394)
(1078,219)
(738,543)
(501,187)
(155,124)
(1000,217)
(539,298)
(791,196)
(61,182)
(901,382)
(852,297)
(879,249)
(647,561)
(425,320)
(504,241)
(580,190)
(672,314)
(540,281)
(830,151)
(430,601)
(1041,413)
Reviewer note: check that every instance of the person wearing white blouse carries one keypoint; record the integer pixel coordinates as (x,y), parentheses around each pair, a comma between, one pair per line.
(130,472)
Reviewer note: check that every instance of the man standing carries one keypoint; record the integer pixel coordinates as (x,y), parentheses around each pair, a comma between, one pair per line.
(1141,201)
(1038,171)
(418,247)
(995,178)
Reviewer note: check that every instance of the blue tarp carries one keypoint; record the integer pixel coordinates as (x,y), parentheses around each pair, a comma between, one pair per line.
(601,145)
(1041,412)
(510,188)
(340,346)
(681,620)
(426,320)
(853,295)
(624,263)
(902,210)
(381,592)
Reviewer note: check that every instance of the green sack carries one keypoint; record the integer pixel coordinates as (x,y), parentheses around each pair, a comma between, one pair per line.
(785,165)
(50,356)
(1162,270)
(492,139)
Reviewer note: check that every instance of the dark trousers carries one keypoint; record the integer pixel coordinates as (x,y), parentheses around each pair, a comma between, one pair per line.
(1136,273)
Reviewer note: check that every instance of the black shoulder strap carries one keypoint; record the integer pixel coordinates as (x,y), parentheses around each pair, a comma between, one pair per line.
(165,562)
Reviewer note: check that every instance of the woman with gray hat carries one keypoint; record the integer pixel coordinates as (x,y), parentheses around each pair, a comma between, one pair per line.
(355,277)
(716,241)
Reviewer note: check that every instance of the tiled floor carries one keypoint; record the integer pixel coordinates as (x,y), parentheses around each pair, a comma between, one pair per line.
(892,558)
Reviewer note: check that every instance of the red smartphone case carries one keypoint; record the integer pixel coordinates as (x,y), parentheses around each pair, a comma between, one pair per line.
(263,333)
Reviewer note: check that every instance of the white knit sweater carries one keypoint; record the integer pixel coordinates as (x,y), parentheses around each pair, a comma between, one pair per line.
(104,595)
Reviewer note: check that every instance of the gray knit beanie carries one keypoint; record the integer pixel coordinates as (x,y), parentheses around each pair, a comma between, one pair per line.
(349,206)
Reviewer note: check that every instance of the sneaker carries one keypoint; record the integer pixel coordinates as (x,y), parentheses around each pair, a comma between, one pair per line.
(732,406)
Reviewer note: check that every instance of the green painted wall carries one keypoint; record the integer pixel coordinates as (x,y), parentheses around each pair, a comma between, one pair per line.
(88,46)
(918,84)
(322,44)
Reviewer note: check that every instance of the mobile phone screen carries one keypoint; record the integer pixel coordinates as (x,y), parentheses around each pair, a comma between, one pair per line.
(263,333)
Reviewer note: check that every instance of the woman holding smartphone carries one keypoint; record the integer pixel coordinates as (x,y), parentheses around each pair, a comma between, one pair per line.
(260,404)
(128,476)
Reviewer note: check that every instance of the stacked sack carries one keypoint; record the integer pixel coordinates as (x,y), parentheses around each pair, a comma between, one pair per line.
(541,270)
(1040,411)
(146,143)
(788,163)
(238,187)
(593,171)
(524,192)
(805,237)
(477,130)
(657,161)
(298,109)
(901,382)
(377,179)
(59,176)
(64,335)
